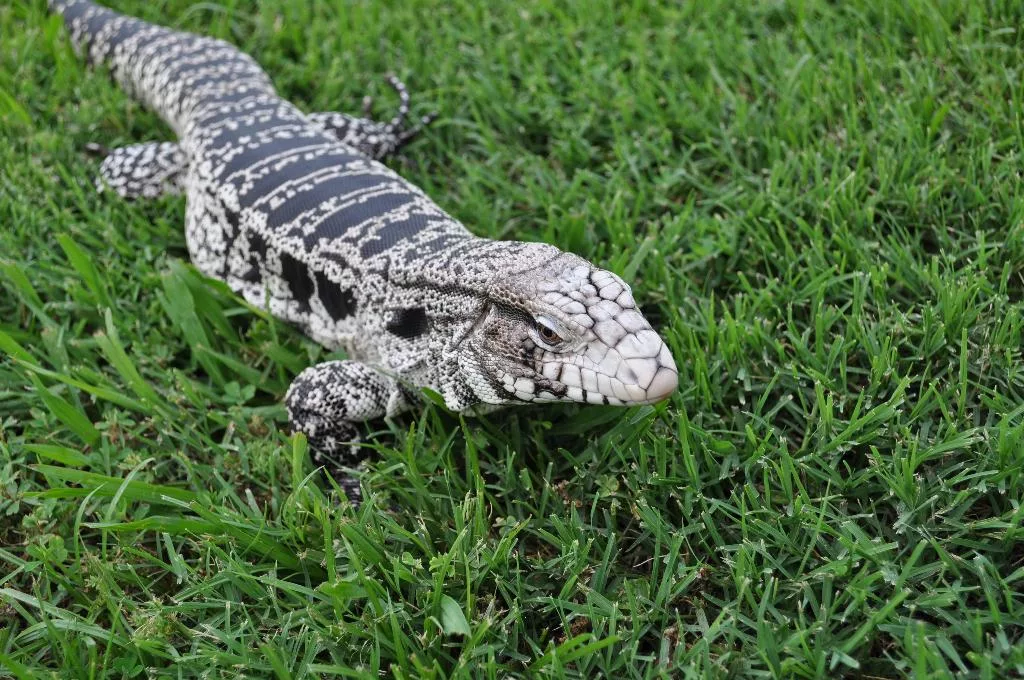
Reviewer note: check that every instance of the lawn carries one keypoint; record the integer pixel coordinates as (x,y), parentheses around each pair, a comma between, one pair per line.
(819,205)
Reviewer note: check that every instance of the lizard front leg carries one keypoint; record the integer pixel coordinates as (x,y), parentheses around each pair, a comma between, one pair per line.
(376,139)
(326,401)
(143,170)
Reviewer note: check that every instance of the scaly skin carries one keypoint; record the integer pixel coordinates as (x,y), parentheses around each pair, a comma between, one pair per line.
(296,213)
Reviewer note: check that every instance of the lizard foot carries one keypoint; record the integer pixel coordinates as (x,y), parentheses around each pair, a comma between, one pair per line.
(376,139)
(326,401)
(141,170)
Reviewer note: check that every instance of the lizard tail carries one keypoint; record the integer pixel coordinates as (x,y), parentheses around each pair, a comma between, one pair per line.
(172,72)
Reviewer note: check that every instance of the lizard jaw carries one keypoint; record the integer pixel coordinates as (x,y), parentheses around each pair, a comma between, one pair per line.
(639,369)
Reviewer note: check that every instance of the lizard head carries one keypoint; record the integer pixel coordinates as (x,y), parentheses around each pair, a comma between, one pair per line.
(567,331)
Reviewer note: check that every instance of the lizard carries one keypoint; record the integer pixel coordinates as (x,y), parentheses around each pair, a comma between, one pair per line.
(298,214)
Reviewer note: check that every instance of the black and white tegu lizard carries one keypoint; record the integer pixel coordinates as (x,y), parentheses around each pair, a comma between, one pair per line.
(297,214)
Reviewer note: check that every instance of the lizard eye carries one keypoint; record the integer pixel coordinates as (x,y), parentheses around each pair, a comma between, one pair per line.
(547,332)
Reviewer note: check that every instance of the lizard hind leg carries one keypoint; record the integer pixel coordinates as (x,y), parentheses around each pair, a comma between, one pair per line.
(326,401)
(144,170)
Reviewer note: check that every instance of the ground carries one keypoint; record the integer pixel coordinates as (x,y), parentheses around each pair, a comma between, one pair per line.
(819,205)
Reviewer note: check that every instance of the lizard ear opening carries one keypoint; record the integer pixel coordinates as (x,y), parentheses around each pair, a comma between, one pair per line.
(485,310)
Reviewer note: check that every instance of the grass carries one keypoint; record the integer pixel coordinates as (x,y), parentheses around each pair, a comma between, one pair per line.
(820,204)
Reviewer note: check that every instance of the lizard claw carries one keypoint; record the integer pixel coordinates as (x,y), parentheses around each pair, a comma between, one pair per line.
(94,149)
(397,125)
(407,135)
(398,122)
